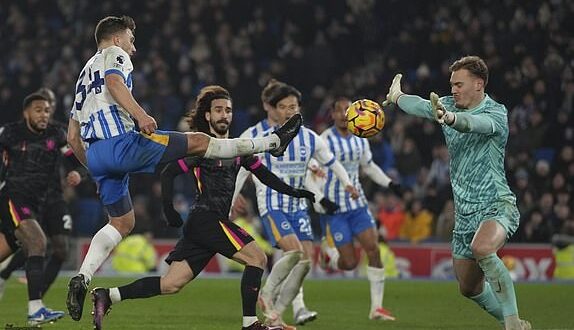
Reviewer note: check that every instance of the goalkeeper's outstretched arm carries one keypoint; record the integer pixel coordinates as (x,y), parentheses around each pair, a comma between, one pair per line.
(411,104)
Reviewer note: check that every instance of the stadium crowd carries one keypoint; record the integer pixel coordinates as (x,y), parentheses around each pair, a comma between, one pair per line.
(326,48)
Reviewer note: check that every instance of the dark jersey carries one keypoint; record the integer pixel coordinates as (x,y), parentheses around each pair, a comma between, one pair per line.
(33,159)
(215,181)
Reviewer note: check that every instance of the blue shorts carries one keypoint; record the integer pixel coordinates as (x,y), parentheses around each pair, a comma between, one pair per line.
(339,229)
(110,161)
(279,224)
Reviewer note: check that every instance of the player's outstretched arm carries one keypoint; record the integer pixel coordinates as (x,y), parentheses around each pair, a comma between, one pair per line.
(411,104)
(75,141)
(116,86)
(460,121)
(169,172)
(254,165)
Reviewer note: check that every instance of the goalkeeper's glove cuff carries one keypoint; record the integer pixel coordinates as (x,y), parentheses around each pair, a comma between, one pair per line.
(449,118)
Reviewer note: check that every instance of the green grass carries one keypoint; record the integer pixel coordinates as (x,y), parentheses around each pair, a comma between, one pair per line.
(210,304)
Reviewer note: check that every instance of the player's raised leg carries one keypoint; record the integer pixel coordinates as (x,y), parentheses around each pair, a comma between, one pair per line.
(275,143)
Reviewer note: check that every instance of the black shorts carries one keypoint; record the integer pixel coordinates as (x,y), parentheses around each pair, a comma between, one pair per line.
(204,235)
(8,222)
(55,218)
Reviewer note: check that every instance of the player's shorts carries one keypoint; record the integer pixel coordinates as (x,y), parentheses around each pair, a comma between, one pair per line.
(204,235)
(465,225)
(111,160)
(339,229)
(55,218)
(9,221)
(279,224)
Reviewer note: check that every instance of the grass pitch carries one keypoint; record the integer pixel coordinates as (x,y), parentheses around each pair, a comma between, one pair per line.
(214,304)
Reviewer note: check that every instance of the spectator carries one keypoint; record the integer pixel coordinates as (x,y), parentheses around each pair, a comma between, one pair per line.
(418,223)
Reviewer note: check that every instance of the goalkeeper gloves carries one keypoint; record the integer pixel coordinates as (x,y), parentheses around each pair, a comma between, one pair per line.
(441,115)
(394,91)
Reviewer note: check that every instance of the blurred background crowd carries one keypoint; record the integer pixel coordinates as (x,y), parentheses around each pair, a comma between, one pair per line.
(325,48)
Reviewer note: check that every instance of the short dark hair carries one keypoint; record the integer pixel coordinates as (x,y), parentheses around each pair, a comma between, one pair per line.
(113,24)
(276,90)
(474,64)
(337,99)
(203,105)
(33,97)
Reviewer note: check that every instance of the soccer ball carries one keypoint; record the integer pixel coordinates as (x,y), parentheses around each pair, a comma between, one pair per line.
(365,118)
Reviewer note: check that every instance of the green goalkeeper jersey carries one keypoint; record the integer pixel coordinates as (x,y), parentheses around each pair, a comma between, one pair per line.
(476,144)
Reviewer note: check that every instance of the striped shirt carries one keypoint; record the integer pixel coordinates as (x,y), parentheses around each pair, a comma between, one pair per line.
(352,152)
(99,115)
(291,168)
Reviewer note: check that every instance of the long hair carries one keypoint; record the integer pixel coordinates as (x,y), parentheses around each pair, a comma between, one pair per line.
(203,105)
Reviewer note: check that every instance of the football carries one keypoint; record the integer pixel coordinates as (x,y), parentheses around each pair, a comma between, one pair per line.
(365,118)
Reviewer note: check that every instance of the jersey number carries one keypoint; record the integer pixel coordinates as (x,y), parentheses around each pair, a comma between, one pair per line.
(96,83)
(67,219)
(305,226)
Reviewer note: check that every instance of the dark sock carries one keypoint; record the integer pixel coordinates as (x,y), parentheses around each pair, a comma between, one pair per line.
(143,288)
(35,276)
(18,260)
(250,283)
(51,271)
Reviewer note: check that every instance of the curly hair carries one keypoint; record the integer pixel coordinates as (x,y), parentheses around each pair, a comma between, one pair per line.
(203,105)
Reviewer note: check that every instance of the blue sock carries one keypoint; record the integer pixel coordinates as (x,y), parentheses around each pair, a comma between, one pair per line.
(487,300)
(500,283)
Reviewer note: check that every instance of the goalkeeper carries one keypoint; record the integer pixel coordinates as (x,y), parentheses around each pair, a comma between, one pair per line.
(476,130)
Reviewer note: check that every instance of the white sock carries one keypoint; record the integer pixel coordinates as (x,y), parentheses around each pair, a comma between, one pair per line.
(333,254)
(115,295)
(279,272)
(292,284)
(229,148)
(376,278)
(249,320)
(298,302)
(102,244)
(34,306)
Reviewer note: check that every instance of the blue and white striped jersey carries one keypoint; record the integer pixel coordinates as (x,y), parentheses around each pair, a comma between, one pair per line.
(352,152)
(291,168)
(99,115)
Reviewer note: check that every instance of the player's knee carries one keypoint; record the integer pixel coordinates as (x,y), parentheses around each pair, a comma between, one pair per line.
(37,246)
(347,263)
(197,143)
(260,260)
(480,250)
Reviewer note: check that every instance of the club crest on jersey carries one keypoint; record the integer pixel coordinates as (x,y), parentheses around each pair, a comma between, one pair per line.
(120,59)
(338,237)
(303,152)
(50,144)
(285,225)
